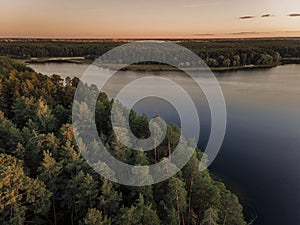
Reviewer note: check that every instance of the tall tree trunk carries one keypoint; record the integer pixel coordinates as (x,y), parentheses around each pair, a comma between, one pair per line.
(169,149)
(54,210)
(155,149)
(72,215)
(190,199)
(225,218)
(178,207)
(182,217)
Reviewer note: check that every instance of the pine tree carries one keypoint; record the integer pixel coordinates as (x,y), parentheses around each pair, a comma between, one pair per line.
(10,136)
(139,213)
(49,173)
(109,199)
(45,118)
(230,209)
(21,198)
(176,196)
(210,217)
(23,110)
(95,217)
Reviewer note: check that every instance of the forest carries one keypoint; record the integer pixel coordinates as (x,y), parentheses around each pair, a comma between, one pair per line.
(45,180)
(215,53)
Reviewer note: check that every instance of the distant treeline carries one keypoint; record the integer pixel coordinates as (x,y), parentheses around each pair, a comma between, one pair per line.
(216,53)
(256,51)
(44,49)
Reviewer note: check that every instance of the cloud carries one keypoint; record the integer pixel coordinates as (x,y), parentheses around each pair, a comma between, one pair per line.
(205,34)
(246,17)
(266,15)
(294,14)
(245,33)
(263,33)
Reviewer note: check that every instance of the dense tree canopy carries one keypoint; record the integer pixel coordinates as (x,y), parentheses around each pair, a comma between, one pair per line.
(45,180)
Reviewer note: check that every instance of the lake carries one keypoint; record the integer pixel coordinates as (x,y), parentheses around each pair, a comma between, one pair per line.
(260,156)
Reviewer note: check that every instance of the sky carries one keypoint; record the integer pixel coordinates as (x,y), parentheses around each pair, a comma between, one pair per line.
(149,19)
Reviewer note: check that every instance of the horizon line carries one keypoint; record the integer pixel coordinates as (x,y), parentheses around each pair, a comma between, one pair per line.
(148,38)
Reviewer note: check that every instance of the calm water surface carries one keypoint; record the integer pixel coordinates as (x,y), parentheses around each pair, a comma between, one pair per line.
(260,156)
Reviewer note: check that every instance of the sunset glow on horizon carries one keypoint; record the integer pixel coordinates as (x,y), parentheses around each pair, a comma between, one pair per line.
(149,19)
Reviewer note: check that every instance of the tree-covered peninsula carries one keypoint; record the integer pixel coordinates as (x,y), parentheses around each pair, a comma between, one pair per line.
(45,180)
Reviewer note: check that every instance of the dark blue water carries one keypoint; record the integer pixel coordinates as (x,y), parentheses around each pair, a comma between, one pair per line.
(260,156)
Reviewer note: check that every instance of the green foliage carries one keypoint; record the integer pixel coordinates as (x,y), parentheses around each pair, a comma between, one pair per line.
(175,198)
(45,119)
(10,136)
(110,199)
(139,213)
(22,199)
(210,217)
(95,217)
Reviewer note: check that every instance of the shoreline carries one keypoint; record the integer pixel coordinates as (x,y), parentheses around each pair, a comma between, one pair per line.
(142,67)
(75,60)
(153,67)
(162,68)
(249,210)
